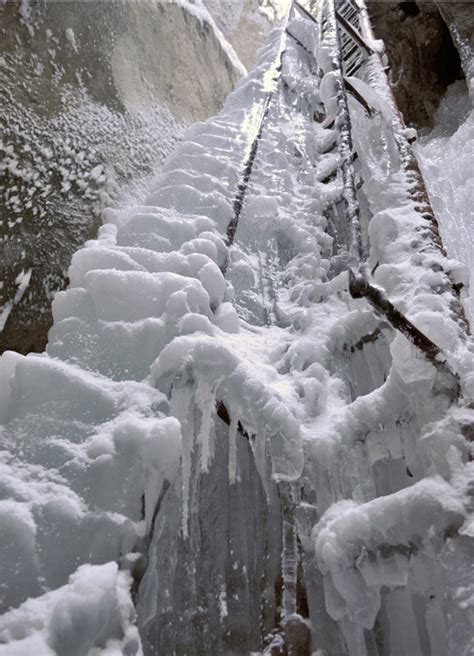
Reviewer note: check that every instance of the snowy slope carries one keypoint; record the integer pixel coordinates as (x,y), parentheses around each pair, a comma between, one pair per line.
(262,455)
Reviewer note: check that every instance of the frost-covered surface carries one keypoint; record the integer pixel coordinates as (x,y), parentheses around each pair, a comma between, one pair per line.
(200,10)
(94,97)
(117,447)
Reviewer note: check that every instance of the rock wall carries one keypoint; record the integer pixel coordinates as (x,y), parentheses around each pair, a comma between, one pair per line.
(247,23)
(95,95)
(459,17)
(423,58)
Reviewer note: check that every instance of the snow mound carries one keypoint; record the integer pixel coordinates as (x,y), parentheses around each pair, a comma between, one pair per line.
(92,612)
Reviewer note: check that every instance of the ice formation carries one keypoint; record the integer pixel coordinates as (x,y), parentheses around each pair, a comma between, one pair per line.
(446,158)
(218,435)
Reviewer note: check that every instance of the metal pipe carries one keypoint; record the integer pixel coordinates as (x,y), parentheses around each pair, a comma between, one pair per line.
(359,287)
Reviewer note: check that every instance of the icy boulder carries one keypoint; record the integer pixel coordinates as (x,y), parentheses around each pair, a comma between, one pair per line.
(92,613)
(361,549)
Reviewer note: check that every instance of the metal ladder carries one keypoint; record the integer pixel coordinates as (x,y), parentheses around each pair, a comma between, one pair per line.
(347,25)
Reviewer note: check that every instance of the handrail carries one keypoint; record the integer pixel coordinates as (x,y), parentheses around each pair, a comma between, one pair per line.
(359,287)
(416,187)
(242,186)
(239,197)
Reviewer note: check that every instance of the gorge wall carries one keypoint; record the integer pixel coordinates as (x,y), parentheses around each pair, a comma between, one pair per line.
(429,46)
(94,95)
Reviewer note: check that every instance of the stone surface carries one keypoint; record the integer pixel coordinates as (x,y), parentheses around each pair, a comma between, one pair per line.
(459,17)
(94,94)
(423,59)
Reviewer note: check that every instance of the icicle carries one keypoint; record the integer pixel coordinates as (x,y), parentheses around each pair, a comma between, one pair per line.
(205,400)
(289,556)
(181,405)
(289,569)
(233,447)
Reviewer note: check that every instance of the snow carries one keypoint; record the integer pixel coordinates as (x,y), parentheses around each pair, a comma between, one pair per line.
(71,438)
(363,548)
(446,159)
(92,609)
(22,281)
(71,38)
(201,405)
(229,381)
(25,12)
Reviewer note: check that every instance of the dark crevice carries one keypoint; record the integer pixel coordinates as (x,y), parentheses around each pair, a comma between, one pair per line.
(449,67)
(422,55)
(409,9)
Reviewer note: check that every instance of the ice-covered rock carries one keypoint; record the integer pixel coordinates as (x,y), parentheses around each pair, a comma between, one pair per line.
(272,462)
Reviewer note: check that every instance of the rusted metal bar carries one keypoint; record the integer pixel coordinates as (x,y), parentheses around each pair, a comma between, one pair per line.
(295,38)
(249,162)
(359,287)
(295,631)
(353,66)
(360,99)
(416,188)
(369,338)
(353,33)
(347,5)
(223,414)
(304,11)
(246,173)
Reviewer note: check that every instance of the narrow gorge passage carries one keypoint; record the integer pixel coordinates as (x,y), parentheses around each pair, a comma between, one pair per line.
(222,451)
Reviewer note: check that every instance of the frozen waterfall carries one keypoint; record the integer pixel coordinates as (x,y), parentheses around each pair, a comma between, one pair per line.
(223,452)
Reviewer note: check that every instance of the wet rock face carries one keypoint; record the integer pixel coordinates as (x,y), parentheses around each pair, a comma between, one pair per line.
(459,17)
(93,95)
(423,58)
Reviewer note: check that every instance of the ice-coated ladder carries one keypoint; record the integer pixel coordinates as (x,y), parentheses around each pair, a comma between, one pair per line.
(346,25)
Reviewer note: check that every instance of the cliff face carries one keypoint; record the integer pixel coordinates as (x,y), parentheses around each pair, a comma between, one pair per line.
(428,45)
(95,95)
(459,17)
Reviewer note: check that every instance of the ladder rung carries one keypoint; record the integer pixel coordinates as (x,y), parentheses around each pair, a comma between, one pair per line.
(348,55)
(354,34)
(345,39)
(354,67)
(347,5)
(353,54)
(349,14)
